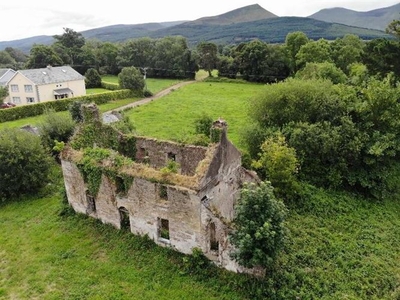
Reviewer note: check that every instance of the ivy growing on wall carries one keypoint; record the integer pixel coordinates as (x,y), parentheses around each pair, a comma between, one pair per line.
(92,167)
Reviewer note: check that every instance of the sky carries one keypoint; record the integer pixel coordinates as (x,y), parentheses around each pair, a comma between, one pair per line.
(27,18)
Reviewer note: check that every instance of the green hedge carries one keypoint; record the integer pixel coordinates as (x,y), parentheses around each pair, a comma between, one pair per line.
(20,112)
(110,86)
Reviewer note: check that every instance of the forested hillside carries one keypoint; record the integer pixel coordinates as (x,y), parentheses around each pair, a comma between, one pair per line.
(241,25)
(374,19)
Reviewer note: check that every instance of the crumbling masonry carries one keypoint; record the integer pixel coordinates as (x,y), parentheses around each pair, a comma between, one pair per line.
(192,208)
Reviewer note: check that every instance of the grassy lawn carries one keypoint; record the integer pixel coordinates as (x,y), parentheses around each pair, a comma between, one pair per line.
(172,116)
(46,256)
(36,120)
(155,85)
(96,91)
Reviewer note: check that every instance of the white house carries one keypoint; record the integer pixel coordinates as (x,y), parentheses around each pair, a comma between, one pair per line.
(45,84)
(5,76)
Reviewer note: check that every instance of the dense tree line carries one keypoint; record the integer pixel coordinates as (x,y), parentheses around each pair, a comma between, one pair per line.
(171,57)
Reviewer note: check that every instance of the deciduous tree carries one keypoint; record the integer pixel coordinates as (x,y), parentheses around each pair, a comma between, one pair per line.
(131,78)
(208,54)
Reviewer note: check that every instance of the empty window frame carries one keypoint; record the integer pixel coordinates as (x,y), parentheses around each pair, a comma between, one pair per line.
(91,203)
(171,156)
(125,222)
(163,192)
(214,245)
(163,229)
(30,100)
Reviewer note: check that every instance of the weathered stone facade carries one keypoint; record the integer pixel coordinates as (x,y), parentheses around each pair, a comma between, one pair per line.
(193,212)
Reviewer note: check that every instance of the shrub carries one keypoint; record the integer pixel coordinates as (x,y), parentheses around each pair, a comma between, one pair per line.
(21,112)
(24,163)
(203,124)
(278,163)
(55,127)
(260,232)
(75,110)
(131,78)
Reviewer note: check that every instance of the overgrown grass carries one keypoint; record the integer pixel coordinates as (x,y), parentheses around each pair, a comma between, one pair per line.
(173,116)
(340,247)
(47,256)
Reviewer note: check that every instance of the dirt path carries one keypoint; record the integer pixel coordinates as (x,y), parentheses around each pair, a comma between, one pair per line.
(154,97)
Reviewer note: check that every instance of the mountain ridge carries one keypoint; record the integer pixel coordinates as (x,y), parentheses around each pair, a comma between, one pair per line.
(377,19)
(239,25)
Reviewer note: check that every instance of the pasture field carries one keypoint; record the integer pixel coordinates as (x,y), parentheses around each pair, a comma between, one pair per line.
(172,117)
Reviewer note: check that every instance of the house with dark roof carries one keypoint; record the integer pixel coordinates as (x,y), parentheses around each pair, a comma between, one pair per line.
(5,76)
(45,84)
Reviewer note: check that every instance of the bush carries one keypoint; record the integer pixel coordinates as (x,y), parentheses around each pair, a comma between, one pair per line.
(260,231)
(24,163)
(147,93)
(131,78)
(278,163)
(75,110)
(55,127)
(203,124)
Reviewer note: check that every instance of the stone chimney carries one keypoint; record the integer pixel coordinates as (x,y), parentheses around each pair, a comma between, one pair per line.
(90,113)
(218,131)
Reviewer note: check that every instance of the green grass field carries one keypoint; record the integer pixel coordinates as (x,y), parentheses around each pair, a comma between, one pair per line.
(154,85)
(173,116)
(46,256)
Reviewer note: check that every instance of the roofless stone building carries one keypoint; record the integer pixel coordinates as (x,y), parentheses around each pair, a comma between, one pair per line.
(181,196)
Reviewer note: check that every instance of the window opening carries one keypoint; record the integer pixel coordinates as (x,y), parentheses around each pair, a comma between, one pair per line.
(91,203)
(172,156)
(120,184)
(124,218)
(214,245)
(163,228)
(163,192)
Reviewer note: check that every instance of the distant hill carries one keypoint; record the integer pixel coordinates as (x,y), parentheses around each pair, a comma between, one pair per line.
(374,19)
(117,33)
(241,15)
(240,25)
(113,33)
(272,30)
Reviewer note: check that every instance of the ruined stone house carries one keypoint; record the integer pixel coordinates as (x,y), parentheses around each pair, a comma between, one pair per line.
(192,208)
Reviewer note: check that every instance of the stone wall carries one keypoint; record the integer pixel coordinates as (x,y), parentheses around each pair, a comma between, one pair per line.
(157,153)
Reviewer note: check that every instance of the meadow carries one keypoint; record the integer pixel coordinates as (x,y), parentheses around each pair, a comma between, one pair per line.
(341,246)
(173,116)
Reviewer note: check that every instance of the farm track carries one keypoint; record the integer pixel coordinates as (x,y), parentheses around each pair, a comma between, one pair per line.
(152,98)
